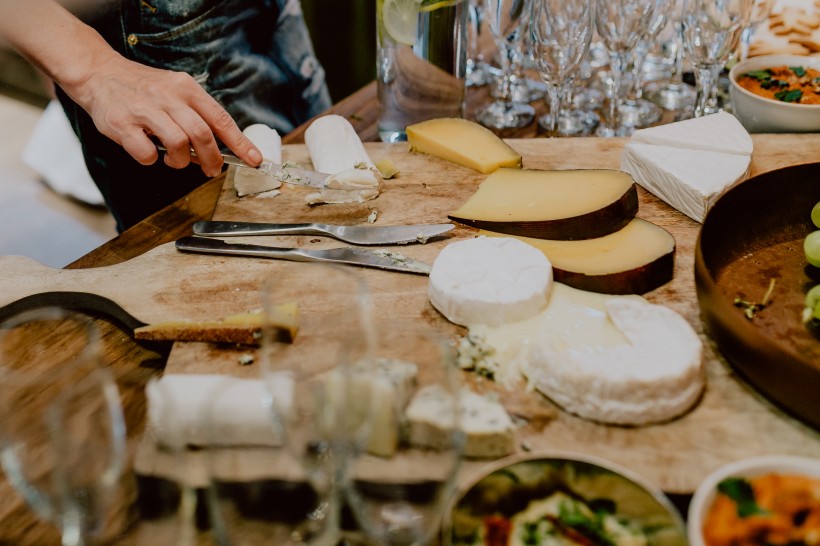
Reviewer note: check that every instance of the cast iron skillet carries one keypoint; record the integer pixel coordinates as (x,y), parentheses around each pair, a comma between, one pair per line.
(754,233)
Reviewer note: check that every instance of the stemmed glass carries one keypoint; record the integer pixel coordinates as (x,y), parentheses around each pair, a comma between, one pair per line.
(311,312)
(560,31)
(674,94)
(711,31)
(761,9)
(621,24)
(62,433)
(409,440)
(505,22)
(478,72)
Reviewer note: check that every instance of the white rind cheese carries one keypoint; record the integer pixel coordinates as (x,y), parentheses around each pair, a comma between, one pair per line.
(689,164)
(689,180)
(720,132)
(266,139)
(656,376)
(489,281)
(488,429)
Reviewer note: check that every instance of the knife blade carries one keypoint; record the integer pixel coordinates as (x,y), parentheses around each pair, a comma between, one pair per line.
(379,259)
(284,172)
(357,235)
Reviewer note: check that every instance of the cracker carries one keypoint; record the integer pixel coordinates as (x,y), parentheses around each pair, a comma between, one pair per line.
(760,48)
(794,20)
(812,45)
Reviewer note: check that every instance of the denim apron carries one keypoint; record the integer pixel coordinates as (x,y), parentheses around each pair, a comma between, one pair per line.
(253,56)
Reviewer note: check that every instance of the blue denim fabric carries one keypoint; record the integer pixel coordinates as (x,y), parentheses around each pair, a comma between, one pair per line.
(253,56)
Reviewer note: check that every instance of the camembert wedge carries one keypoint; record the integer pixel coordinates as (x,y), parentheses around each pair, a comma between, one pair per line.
(564,205)
(463,142)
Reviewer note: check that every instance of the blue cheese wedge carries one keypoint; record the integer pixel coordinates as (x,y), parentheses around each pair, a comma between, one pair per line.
(488,429)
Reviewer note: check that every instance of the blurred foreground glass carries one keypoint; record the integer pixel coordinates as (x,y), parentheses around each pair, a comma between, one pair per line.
(421,62)
(560,33)
(405,412)
(62,432)
(313,312)
(711,32)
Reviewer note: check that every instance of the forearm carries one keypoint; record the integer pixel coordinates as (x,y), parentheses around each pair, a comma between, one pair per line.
(64,48)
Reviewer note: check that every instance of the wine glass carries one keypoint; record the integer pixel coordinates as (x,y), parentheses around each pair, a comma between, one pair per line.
(674,94)
(560,31)
(505,18)
(761,9)
(621,24)
(62,433)
(312,312)
(711,31)
(405,415)
(478,72)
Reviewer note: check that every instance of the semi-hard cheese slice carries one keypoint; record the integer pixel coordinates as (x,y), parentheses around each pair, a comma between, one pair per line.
(488,430)
(720,132)
(565,205)
(463,142)
(689,180)
(489,281)
(653,377)
(633,260)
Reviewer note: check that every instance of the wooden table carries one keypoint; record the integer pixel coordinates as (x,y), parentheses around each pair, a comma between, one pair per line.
(135,365)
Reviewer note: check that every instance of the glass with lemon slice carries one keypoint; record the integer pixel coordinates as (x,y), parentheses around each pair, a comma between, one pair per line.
(421,60)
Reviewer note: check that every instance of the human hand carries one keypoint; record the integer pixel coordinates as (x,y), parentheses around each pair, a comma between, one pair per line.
(129,102)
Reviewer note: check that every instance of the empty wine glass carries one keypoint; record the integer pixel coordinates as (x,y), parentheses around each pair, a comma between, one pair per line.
(479,73)
(560,31)
(674,94)
(62,434)
(761,9)
(312,312)
(711,31)
(405,414)
(621,24)
(504,18)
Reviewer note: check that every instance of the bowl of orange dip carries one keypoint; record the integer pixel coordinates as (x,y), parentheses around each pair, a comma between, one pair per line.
(777,93)
(770,500)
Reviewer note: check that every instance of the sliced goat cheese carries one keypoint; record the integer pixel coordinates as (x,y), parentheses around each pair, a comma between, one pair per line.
(720,132)
(336,149)
(488,429)
(653,377)
(689,180)
(489,280)
(266,139)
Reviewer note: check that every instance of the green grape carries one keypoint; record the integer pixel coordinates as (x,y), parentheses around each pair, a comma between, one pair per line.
(812,305)
(815,215)
(811,246)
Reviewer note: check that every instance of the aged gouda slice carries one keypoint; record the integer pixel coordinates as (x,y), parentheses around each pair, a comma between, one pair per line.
(633,260)
(464,142)
(565,205)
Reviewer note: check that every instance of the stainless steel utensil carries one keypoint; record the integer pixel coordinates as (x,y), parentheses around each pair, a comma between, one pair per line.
(380,259)
(357,235)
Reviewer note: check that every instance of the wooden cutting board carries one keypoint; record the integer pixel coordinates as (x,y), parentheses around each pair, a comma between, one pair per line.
(730,422)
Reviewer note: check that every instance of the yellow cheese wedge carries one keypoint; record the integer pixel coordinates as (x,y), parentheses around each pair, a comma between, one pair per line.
(633,260)
(242,328)
(564,205)
(464,142)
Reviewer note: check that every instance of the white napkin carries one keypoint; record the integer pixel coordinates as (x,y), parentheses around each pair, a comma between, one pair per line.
(216,410)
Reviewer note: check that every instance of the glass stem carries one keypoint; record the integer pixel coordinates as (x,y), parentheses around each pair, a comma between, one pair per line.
(556,98)
(618,62)
(636,87)
(507,49)
(706,77)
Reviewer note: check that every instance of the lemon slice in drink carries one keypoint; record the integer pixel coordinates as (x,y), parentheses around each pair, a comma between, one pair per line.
(401,19)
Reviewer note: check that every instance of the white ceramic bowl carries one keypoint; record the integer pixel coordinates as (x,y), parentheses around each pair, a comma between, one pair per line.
(760,115)
(745,468)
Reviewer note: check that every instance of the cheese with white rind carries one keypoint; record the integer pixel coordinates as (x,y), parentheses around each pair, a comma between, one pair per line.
(266,139)
(563,204)
(489,281)
(689,180)
(720,132)
(353,179)
(656,376)
(633,260)
(488,429)
(463,142)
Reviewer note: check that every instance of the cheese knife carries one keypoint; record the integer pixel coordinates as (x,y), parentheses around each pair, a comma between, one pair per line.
(379,259)
(356,235)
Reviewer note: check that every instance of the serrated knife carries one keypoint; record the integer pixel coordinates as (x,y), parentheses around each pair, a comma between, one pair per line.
(379,259)
(356,235)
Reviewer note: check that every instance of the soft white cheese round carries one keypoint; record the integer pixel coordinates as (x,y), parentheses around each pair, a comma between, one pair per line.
(266,139)
(489,280)
(654,377)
